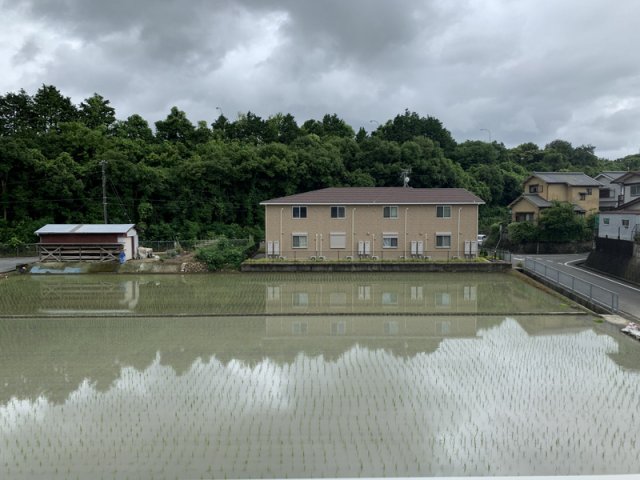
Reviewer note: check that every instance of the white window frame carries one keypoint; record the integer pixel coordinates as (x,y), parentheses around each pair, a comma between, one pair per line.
(299,235)
(299,328)
(297,210)
(443,235)
(389,236)
(440,211)
(338,240)
(338,328)
(300,299)
(625,222)
(389,211)
(605,220)
(339,209)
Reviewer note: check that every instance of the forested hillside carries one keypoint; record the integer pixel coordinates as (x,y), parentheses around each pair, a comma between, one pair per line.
(190,180)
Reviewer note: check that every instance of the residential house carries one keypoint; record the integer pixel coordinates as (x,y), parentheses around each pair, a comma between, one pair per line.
(630,186)
(87,242)
(610,192)
(620,224)
(361,222)
(543,188)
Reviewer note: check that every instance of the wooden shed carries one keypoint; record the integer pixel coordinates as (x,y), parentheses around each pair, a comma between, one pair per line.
(87,242)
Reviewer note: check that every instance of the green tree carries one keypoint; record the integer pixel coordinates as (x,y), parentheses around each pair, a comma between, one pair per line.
(175,128)
(410,125)
(95,112)
(134,128)
(16,114)
(559,223)
(51,109)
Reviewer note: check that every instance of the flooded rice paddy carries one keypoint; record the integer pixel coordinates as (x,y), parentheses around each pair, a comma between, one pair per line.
(243,376)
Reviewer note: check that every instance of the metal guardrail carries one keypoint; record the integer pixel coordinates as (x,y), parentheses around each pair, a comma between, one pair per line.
(586,290)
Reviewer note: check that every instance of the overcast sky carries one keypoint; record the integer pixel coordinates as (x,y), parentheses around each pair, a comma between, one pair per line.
(513,71)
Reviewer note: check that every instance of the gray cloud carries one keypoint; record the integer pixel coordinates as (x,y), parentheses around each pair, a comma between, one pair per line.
(527,71)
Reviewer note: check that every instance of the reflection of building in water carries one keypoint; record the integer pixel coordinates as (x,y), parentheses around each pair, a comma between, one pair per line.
(373,298)
(85,297)
(363,327)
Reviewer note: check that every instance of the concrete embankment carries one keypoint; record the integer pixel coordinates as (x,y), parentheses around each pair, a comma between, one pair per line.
(617,264)
(284,266)
(594,307)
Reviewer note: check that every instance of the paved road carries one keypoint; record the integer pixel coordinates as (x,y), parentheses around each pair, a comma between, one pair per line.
(8,264)
(628,294)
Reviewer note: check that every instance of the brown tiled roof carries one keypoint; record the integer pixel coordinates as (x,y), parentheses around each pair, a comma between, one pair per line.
(378,195)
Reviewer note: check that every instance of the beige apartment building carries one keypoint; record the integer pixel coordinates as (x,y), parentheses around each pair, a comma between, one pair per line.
(543,188)
(373,222)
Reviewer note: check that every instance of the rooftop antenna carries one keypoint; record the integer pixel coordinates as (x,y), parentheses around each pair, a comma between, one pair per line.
(405,177)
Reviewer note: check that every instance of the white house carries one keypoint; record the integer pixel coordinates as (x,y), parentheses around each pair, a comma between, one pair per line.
(619,224)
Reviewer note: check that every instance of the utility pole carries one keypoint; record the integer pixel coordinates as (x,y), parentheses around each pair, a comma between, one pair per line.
(104,190)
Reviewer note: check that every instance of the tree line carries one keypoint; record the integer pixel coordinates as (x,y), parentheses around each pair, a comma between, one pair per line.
(186,180)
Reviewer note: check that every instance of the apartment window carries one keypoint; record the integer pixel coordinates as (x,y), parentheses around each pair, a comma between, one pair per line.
(470,292)
(635,190)
(391,328)
(535,188)
(625,223)
(443,211)
(416,292)
(299,240)
(338,240)
(389,298)
(300,299)
(364,292)
(589,191)
(338,212)
(273,293)
(338,328)
(299,212)
(605,221)
(443,240)
(390,212)
(605,193)
(444,327)
(299,328)
(389,240)
(443,299)
(583,195)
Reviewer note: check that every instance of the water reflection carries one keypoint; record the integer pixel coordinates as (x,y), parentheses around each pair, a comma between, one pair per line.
(417,296)
(255,294)
(250,397)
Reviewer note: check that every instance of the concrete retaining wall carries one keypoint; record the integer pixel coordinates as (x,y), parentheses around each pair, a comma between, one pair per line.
(619,258)
(594,307)
(376,267)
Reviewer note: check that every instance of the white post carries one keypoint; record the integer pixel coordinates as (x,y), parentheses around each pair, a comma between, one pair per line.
(353,232)
(458,239)
(406,214)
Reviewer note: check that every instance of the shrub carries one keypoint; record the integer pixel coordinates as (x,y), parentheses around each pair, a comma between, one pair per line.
(522,232)
(222,255)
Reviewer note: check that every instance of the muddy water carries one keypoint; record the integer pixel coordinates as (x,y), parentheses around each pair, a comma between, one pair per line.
(276,376)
